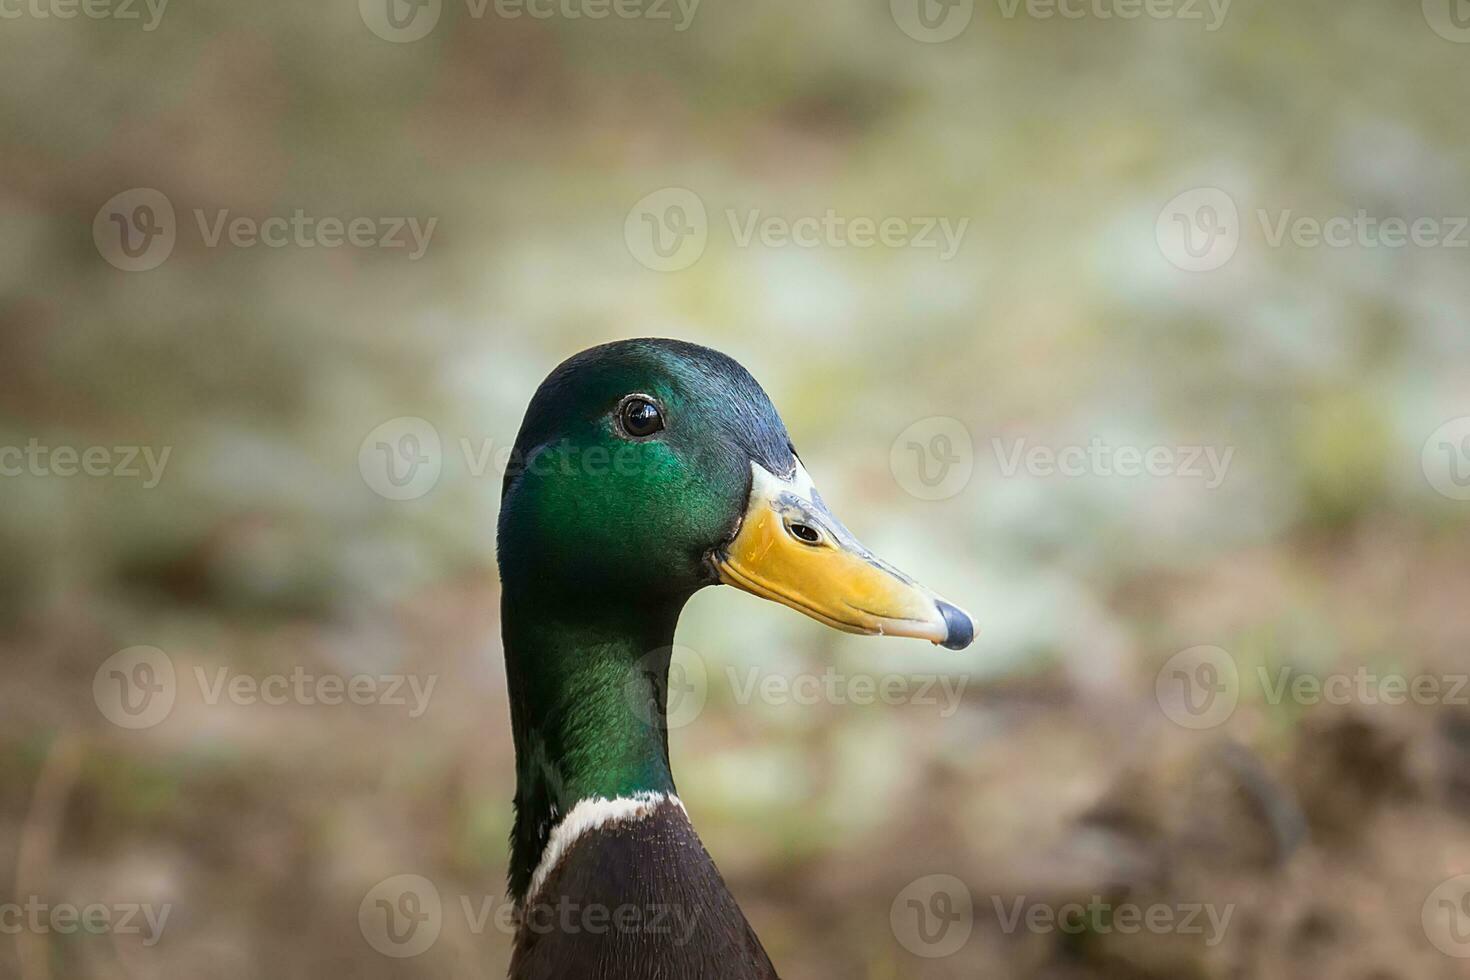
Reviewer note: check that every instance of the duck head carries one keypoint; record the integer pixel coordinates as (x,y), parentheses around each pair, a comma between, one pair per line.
(644,471)
(648,469)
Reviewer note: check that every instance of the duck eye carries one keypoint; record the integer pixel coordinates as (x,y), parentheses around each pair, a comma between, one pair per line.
(639,416)
(804,532)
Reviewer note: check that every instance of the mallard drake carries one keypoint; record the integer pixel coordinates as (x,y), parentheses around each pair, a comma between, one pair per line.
(644,471)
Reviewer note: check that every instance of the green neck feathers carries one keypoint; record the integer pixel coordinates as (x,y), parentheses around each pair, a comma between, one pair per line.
(588,689)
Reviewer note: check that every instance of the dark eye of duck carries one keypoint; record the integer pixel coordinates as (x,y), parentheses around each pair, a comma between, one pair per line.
(640,416)
(804,533)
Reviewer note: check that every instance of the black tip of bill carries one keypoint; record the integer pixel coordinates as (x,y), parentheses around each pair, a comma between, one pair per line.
(959,629)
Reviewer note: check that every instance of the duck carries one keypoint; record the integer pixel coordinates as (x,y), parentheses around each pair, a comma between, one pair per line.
(644,471)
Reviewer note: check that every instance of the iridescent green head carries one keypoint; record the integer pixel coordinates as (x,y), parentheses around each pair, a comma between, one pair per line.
(632,464)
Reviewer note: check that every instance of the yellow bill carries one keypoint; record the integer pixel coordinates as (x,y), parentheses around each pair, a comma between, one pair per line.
(791,549)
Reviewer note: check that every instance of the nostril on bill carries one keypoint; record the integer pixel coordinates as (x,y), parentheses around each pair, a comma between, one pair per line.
(959,628)
(804,532)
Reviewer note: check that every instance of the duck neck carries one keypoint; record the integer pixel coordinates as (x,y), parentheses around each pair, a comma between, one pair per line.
(588,686)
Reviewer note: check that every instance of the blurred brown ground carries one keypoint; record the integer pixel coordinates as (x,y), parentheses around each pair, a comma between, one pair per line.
(1060,778)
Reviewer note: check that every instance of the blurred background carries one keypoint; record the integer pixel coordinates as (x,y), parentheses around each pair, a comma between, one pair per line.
(1140,331)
